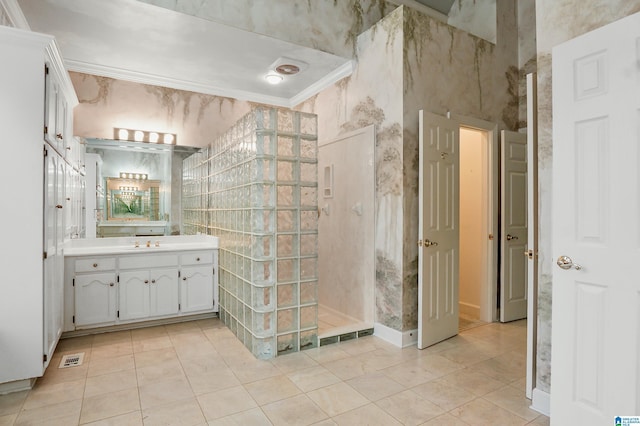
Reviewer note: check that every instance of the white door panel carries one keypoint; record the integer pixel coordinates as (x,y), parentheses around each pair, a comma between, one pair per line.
(513,264)
(596,82)
(438,254)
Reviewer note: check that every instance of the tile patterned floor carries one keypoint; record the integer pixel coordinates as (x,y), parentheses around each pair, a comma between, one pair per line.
(197,373)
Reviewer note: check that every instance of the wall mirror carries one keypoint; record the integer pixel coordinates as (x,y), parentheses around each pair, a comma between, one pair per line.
(138,188)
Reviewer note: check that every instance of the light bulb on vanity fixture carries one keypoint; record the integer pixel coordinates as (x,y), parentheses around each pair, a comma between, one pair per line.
(146,136)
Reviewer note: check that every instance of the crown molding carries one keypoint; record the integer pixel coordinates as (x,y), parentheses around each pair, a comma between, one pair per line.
(14,13)
(193,86)
(336,75)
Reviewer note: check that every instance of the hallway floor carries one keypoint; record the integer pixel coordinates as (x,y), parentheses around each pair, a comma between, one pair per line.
(197,373)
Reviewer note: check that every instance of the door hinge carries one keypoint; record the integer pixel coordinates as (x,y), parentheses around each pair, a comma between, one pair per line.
(178,274)
(73,282)
(44,255)
(44,357)
(46,69)
(44,148)
(529,254)
(73,319)
(46,130)
(214,271)
(118,314)
(214,302)
(178,306)
(118,278)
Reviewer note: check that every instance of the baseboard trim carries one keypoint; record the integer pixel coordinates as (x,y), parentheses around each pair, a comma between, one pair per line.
(401,339)
(541,402)
(16,386)
(469,309)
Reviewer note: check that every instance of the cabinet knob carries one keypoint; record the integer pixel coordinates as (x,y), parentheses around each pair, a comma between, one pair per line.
(197,259)
(153,281)
(95,265)
(184,278)
(58,206)
(59,136)
(69,148)
(146,281)
(111,284)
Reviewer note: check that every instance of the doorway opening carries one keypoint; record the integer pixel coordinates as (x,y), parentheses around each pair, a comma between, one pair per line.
(475,229)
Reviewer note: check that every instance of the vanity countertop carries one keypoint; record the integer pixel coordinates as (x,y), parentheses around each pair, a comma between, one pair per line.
(126,245)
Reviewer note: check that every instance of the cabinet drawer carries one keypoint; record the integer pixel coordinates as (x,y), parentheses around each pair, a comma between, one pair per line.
(143,231)
(196,258)
(148,261)
(95,264)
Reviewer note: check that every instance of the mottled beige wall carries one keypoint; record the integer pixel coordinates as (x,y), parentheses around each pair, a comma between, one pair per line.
(328,25)
(558,21)
(447,69)
(373,95)
(106,103)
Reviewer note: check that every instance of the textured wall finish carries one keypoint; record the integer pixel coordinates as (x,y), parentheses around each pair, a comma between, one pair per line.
(362,100)
(426,64)
(328,25)
(475,17)
(558,21)
(106,103)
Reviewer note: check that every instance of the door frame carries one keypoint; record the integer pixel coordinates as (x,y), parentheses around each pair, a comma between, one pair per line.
(491,166)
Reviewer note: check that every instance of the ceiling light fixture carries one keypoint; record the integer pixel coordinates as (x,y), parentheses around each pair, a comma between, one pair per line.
(144,136)
(273,78)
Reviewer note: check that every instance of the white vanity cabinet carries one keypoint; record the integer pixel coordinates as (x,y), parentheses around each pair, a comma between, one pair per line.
(151,288)
(32,170)
(114,286)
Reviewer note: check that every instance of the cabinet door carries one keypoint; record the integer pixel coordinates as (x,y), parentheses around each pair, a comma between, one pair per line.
(95,298)
(134,295)
(163,291)
(51,107)
(196,288)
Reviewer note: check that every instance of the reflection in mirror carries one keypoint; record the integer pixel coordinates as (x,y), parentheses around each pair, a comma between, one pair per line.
(137,188)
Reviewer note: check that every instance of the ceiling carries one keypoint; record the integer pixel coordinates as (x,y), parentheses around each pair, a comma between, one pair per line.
(135,41)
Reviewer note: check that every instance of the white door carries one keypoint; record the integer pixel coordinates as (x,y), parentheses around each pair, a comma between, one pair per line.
(513,235)
(439,239)
(596,290)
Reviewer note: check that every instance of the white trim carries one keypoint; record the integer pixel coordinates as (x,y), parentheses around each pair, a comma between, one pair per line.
(401,339)
(541,402)
(15,15)
(532,238)
(16,386)
(328,80)
(193,86)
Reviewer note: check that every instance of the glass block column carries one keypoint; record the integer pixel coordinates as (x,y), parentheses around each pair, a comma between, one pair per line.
(260,198)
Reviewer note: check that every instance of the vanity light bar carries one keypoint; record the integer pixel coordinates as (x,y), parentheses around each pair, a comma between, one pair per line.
(133,135)
(138,176)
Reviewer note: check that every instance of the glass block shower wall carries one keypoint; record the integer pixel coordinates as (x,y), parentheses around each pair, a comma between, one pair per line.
(256,189)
